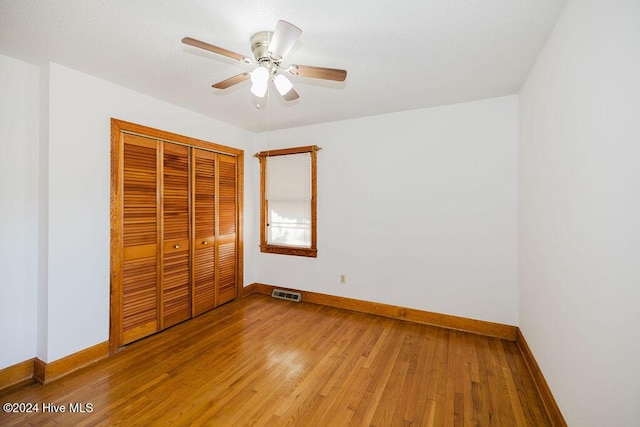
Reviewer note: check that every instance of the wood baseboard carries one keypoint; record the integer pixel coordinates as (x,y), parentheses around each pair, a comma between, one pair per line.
(44,372)
(549,402)
(248,290)
(16,375)
(481,327)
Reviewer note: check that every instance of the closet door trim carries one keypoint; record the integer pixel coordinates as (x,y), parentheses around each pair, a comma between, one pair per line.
(118,128)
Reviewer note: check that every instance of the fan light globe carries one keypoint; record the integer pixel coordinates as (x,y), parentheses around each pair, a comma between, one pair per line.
(260,79)
(282,84)
(259,89)
(260,75)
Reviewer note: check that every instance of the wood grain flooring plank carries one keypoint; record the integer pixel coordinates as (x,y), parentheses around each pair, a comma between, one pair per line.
(265,362)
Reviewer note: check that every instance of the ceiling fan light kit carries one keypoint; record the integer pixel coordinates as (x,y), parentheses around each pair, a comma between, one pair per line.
(269,50)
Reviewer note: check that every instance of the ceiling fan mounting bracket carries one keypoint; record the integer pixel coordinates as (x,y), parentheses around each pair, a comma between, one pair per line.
(259,45)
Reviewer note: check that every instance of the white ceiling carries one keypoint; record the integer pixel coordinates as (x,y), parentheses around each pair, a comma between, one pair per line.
(400,55)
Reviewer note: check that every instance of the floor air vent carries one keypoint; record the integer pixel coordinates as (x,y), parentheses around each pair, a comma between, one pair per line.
(288,295)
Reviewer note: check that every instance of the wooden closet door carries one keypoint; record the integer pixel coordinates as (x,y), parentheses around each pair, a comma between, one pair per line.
(204,184)
(176,280)
(226,242)
(140,237)
(176,234)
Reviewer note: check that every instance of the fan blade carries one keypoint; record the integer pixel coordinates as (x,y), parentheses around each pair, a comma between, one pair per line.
(292,95)
(238,78)
(215,49)
(284,37)
(318,72)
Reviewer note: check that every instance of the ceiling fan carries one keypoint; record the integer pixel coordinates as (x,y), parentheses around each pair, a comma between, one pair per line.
(269,50)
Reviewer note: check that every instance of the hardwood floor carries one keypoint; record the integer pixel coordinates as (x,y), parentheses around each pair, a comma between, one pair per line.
(261,361)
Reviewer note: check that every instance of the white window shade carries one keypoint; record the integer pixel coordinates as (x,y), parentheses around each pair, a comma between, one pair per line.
(289,177)
(288,194)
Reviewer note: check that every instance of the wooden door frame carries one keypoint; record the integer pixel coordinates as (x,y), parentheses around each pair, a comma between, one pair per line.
(118,128)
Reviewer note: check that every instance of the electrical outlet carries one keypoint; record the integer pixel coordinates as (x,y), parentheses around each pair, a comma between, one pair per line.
(343,278)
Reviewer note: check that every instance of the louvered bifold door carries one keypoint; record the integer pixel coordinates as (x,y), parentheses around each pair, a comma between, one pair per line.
(140,237)
(203,178)
(226,244)
(176,280)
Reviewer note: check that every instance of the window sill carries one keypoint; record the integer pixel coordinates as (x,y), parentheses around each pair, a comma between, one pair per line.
(289,250)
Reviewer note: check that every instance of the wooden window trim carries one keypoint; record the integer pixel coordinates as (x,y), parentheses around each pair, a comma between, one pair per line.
(311,252)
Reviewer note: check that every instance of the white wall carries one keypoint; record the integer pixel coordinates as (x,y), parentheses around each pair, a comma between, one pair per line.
(79,169)
(74,194)
(460,158)
(418,209)
(18,210)
(42,171)
(579,212)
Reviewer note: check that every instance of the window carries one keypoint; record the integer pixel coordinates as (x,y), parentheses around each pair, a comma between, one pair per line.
(288,201)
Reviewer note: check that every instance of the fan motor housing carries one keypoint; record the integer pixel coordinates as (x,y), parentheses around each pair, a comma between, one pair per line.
(260,44)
